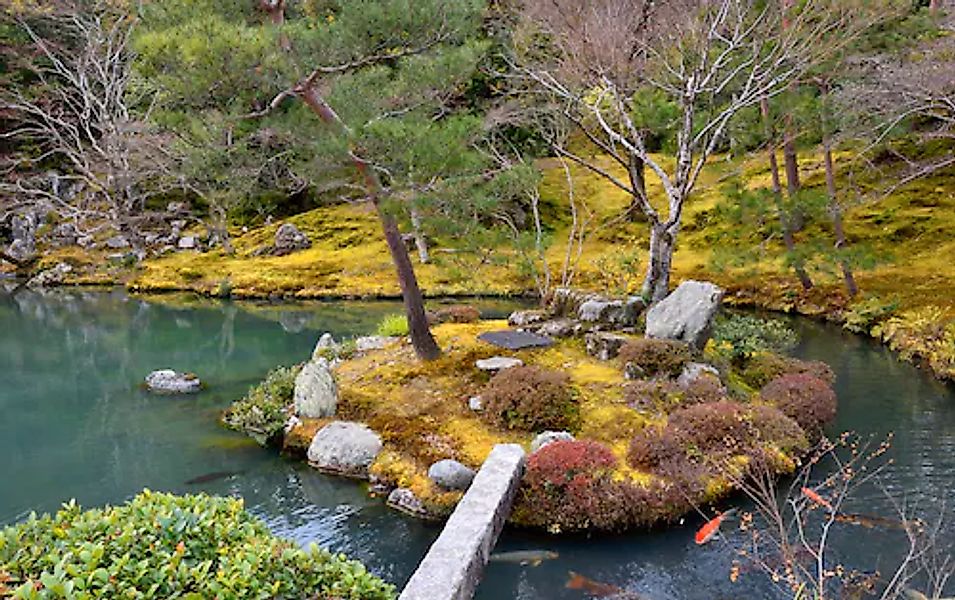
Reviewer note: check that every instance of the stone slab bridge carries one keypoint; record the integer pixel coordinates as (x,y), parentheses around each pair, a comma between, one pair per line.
(453,566)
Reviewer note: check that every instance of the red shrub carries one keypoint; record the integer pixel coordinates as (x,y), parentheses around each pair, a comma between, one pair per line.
(773,427)
(705,389)
(650,357)
(531,399)
(805,399)
(763,368)
(652,395)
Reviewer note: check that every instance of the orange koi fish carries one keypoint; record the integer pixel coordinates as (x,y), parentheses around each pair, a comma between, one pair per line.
(712,527)
(595,589)
(815,497)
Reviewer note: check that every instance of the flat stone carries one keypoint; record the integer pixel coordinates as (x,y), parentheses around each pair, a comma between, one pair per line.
(515,340)
(452,568)
(167,381)
(404,500)
(549,437)
(344,448)
(498,363)
(604,346)
(476,403)
(451,475)
(686,314)
(316,394)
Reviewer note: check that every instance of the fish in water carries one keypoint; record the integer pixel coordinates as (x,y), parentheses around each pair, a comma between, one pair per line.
(599,590)
(524,557)
(815,497)
(872,522)
(712,527)
(214,476)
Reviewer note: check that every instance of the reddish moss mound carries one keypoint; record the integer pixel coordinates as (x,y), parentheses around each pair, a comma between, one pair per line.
(530,399)
(650,358)
(806,399)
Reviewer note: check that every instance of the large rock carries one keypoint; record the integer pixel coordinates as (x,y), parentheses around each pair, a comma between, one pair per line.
(686,314)
(53,276)
(316,394)
(344,448)
(167,381)
(288,239)
(23,246)
(451,475)
(604,346)
(498,363)
(404,500)
(611,314)
(549,437)
(325,345)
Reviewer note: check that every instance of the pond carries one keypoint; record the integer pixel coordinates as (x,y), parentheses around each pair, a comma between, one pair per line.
(76,424)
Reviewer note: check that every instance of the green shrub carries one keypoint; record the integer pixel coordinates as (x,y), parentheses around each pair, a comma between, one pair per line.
(743,336)
(530,399)
(393,326)
(262,413)
(165,546)
(863,316)
(650,357)
(762,368)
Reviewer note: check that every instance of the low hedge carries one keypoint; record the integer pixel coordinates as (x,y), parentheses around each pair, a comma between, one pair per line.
(164,546)
(262,413)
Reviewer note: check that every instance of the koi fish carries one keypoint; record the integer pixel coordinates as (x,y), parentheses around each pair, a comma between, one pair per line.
(599,590)
(712,527)
(214,476)
(524,557)
(815,497)
(871,522)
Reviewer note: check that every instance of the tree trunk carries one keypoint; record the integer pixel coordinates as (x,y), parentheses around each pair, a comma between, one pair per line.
(276,11)
(835,212)
(784,221)
(420,242)
(422,340)
(656,282)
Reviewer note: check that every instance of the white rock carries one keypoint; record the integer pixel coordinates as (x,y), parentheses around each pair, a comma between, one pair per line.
(167,381)
(373,342)
(476,403)
(686,314)
(451,475)
(187,242)
(549,437)
(498,363)
(344,448)
(316,394)
(326,342)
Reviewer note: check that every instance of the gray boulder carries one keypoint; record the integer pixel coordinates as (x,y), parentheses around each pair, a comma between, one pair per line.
(686,314)
(476,403)
(316,394)
(64,234)
(288,239)
(451,475)
(167,381)
(549,437)
(187,242)
(373,342)
(50,277)
(524,318)
(117,242)
(693,371)
(344,448)
(404,500)
(324,344)
(604,346)
(23,246)
(559,328)
(498,363)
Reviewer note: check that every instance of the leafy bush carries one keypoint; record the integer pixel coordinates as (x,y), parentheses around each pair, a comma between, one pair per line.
(262,413)
(805,399)
(530,399)
(164,546)
(458,313)
(568,486)
(653,395)
(652,357)
(863,316)
(393,326)
(763,368)
(746,335)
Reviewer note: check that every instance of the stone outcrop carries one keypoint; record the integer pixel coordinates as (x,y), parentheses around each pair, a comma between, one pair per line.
(344,448)
(686,314)
(288,239)
(53,276)
(168,381)
(373,342)
(603,345)
(316,394)
(451,475)
(23,246)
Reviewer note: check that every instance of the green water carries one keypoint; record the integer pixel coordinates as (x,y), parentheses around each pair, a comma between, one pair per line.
(74,423)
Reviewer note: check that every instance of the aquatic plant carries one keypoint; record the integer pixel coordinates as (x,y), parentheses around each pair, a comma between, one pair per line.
(262,413)
(653,357)
(803,398)
(164,546)
(530,398)
(745,335)
(392,326)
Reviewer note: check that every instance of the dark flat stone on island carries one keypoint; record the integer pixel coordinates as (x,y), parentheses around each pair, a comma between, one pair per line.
(515,340)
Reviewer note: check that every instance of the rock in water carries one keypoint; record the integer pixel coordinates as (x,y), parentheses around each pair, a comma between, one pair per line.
(404,500)
(498,363)
(686,314)
(451,475)
(167,381)
(288,239)
(344,448)
(316,394)
(549,437)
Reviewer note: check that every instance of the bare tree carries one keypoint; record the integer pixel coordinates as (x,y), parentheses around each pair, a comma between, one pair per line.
(710,58)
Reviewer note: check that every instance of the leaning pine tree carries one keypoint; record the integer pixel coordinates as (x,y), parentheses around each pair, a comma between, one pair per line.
(317,87)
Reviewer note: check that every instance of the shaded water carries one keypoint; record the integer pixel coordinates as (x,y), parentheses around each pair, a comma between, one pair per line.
(75,424)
